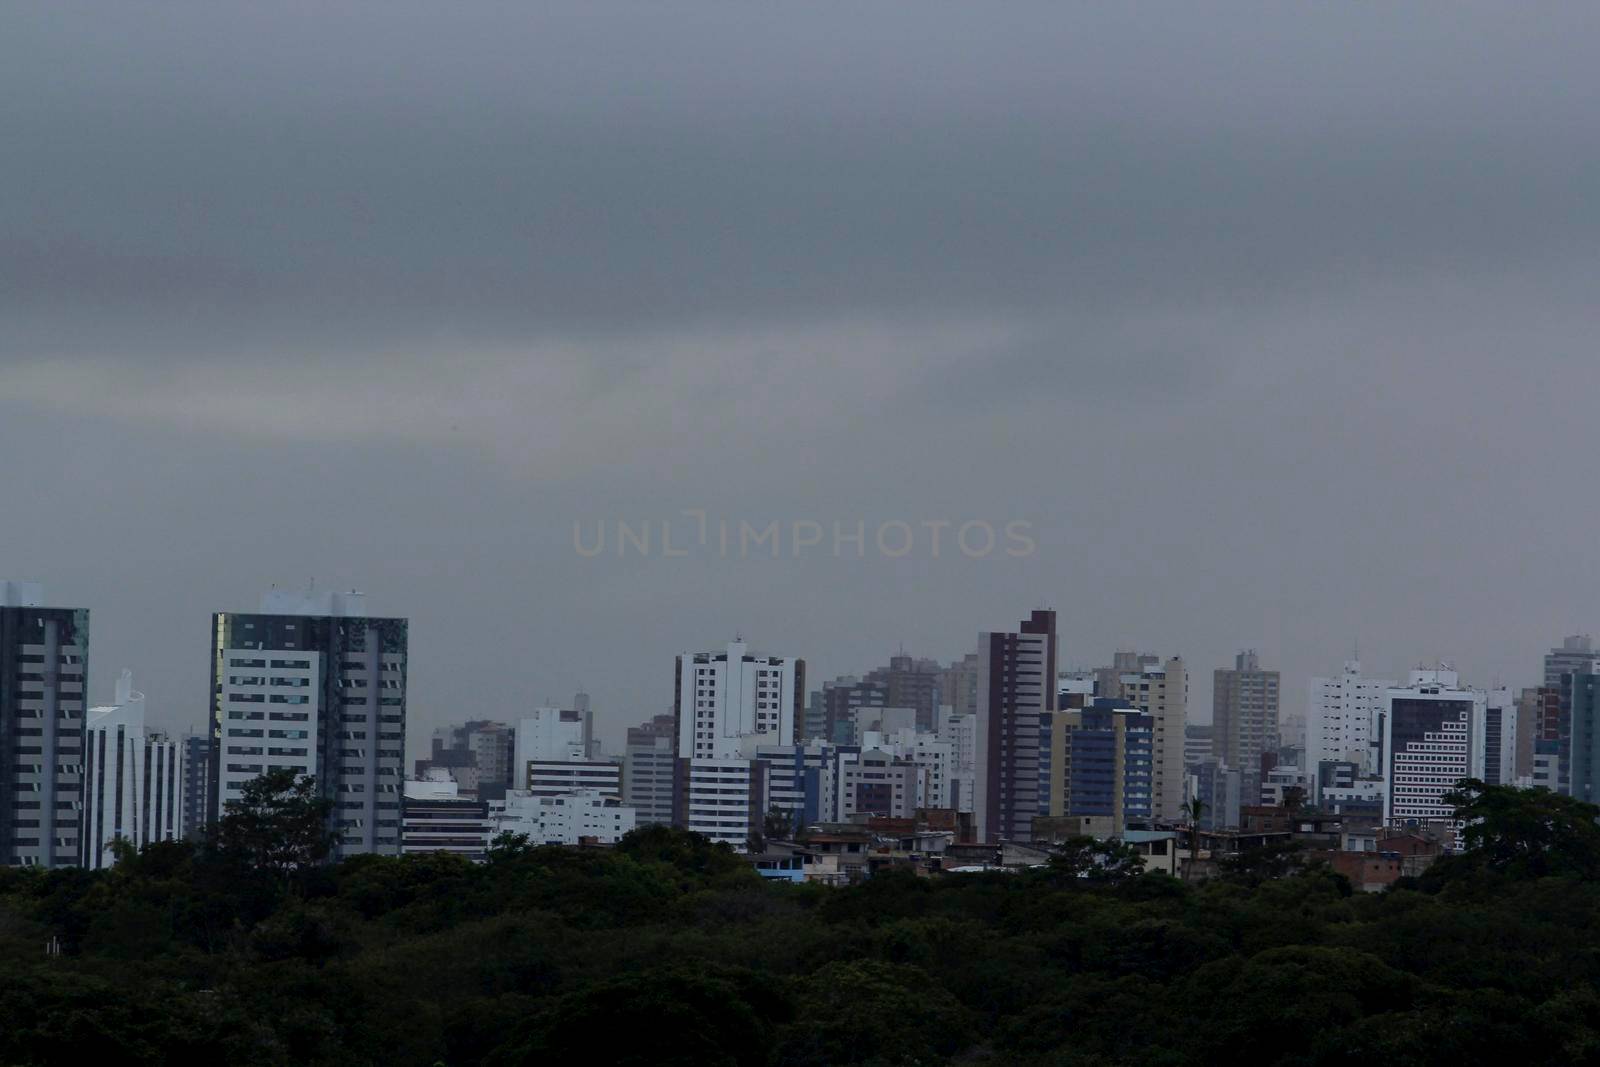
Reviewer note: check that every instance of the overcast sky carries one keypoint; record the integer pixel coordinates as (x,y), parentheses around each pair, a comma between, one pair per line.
(1276,324)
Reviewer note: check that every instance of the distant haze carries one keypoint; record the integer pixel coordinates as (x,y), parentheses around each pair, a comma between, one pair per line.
(1275,324)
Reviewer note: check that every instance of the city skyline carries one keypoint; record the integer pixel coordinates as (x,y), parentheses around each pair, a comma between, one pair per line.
(613,720)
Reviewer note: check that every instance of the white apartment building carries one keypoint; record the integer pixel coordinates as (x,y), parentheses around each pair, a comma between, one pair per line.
(1343,716)
(722,799)
(934,759)
(585,815)
(133,779)
(961,731)
(552,735)
(731,702)
(314,685)
(875,782)
(728,705)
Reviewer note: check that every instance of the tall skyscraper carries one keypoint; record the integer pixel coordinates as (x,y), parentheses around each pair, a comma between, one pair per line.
(1539,736)
(1432,738)
(1576,656)
(44,666)
(1585,751)
(134,782)
(1244,713)
(727,706)
(197,787)
(1500,742)
(730,702)
(649,768)
(313,684)
(1344,719)
(1097,762)
(1160,689)
(1016,685)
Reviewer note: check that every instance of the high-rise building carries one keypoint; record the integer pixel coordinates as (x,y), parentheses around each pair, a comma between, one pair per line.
(478,755)
(840,701)
(961,731)
(1220,790)
(437,818)
(1016,685)
(1097,762)
(1197,746)
(1499,738)
(313,684)
(1583,749)
(800,780)
(1539,736)
(958,685)
(721,798)
(197,787)
(134,783)
(1432,738)
(1244,712)
(552,735)
(1160,689)
(731,702)
(878,783)
(1344,717)
(548,778)
(44,665)
(912,683)
(649,768)
(1576,656)
(1585,733)
(728,705)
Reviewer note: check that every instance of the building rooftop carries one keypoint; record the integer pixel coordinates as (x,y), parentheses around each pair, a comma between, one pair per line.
(350,604)
(14,594)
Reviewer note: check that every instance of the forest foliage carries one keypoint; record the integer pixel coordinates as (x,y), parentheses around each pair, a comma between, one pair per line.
(669,950)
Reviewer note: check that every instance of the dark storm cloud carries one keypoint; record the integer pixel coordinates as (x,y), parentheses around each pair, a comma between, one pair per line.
(1264,316)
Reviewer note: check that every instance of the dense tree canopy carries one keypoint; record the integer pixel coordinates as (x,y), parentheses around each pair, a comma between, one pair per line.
(670,950)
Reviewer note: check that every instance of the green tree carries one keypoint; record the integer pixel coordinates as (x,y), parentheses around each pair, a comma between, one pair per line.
(1093,860)
(1526,833)
(777,824)
(867,1011)
(705,1016)
(279,824)
(1252,866)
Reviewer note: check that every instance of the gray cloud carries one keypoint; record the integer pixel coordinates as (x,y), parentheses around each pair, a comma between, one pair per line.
(1277,324)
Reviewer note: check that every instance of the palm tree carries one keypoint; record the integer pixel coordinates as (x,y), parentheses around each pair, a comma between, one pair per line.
(1194,807)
